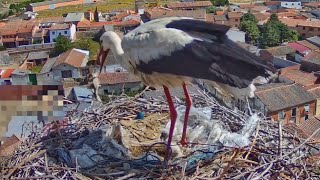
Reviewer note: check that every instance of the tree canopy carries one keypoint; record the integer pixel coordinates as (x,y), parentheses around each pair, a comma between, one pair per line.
(62,45)
(249,17)
(251,29)
(220,2)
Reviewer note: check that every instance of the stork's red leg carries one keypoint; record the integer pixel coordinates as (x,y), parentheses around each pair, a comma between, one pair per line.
(173,117)
(186,115)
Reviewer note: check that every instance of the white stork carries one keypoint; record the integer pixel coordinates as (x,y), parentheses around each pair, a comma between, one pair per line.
(170,52)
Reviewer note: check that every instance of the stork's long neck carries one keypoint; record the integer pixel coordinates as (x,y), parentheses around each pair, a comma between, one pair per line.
(117,50)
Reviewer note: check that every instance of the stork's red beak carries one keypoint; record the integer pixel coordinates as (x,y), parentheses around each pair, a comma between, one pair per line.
(101,57)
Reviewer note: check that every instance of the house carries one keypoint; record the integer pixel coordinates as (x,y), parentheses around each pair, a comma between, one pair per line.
(310,81)
(234,8)
(291,4)
(289,102)
(8,146)
(14,34)
(311,62)
(45,76)
(5,77)
(234,18)
(29,15)
(280,56)
(23,77)
(47,5)
(301,51)
(118,82)
(313,4)
(67,30)
(36,59)
(304,27)
(259,9)
(74,18)
(307,44)
(156,13)
(71,64)
(189,5)
(125,25)
(220,19)
(310,126)
(315,40)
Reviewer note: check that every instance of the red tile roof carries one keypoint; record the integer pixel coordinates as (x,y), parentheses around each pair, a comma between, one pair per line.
(59,26)
(260,8)
(117,78)
(160,13)
(308,45)
(298,47)
(303,78)
(72,57)
(88,24)
(246,6)
(310,126)
(235,14)
(312,4)
(174,5)
(261,16)
(7,73)
(274,3)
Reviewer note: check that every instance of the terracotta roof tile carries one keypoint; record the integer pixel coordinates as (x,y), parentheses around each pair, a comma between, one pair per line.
(7,73)
(9,145)
(272,3)
(246,6)
(303,78)
(197,14)
(127,23)
(298,47)
(189,4)
(73,57)
(59,26)
(117,78)
(259,8)
(261,16)
(312,4)
(308,45)
(313,57)
(285,96)
(311,125)
(235,14)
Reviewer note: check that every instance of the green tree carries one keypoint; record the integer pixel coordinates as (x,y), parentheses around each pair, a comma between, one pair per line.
(270,37)
(211,9)
(63,44)
(251,29)
(220,2)
(249,17)
(2,48)
(89,45)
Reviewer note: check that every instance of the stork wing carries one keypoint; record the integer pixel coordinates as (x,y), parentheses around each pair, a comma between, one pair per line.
(192,48)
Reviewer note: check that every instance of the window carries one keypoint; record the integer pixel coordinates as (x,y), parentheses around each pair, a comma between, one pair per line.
(237,20)
(281,115)
(294,112)
(299,4)
(303,34)
(304,28)
(53,32)
(66,74)
(306,117)
(311,28)
(286,4)
(292,4)
(65,32)
(59,33)
(306,108)
(105,91)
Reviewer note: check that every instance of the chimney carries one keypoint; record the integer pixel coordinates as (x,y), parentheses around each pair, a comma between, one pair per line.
(139,4)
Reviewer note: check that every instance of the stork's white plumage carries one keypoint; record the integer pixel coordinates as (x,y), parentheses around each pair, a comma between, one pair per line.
(169,52)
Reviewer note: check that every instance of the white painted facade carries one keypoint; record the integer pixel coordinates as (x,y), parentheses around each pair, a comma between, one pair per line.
(20,79)
(4,81)
(61,68)
(70,33)
(47,79)
(291,5)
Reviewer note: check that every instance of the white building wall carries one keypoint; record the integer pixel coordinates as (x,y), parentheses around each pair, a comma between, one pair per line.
(47,79)
(70,33)
(20,80)
(56,71)
(292,5)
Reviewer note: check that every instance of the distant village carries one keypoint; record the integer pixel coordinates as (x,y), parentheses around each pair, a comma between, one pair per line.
(28,42)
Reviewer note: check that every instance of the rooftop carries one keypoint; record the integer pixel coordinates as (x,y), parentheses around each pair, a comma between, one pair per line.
(313,57)
(7,73)
(280,50)
(284,96)
(298,47)
(128,23)
(308,44)
(117,78)
(174,5)
(314,40)
(49,2)
(311,125)
(59,26)
(74,17)
(48,65)
(73,57)
(156,13)
(303,78)
(235,14)
(38,55)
